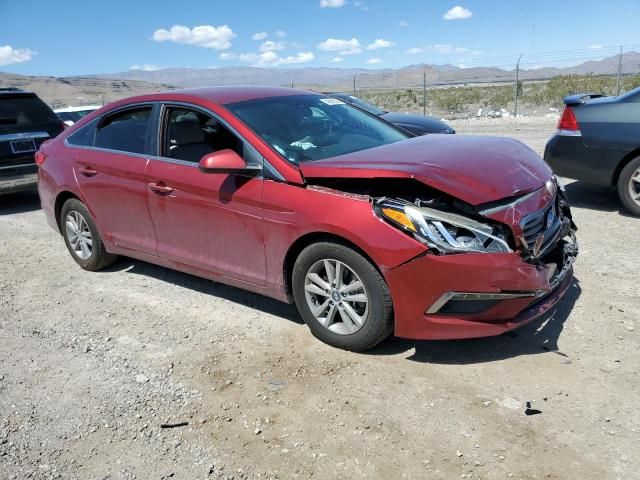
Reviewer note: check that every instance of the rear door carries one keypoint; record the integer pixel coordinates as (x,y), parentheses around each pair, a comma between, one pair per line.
(25,122)
(112,178)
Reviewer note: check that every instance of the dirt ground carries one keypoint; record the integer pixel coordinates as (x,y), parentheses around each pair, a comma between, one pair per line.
(93,364)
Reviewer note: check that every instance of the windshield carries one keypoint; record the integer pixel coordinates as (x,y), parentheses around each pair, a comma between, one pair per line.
(367,107)
(67,116)
(305,128)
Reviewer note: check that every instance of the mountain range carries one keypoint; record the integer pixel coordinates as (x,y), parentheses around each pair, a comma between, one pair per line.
(343,78)
(90,89)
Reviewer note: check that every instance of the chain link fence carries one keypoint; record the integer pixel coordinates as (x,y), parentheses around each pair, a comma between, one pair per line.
(526,89)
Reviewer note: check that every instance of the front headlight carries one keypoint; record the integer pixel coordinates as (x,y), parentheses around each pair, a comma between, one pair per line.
(444,231)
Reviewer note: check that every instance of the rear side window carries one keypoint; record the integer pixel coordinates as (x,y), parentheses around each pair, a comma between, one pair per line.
(85,136)
(20,112)
(125,131)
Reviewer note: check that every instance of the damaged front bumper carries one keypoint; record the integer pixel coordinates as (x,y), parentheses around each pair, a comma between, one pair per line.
(477,295)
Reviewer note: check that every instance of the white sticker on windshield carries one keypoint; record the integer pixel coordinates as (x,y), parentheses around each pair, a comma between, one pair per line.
(303,145)
(332,101)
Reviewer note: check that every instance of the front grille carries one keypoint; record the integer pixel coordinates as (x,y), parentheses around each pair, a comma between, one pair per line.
(545,222)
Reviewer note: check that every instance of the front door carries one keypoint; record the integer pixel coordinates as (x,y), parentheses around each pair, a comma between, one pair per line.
(111,176)
(208,221)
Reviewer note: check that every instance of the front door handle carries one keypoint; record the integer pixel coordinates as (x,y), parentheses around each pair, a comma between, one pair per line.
(88,171)
(160,188)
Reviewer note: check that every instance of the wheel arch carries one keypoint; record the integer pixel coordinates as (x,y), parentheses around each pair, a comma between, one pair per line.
(308,239)
(623,163)
(61,198)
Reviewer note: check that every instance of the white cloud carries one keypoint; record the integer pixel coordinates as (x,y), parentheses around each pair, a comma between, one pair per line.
(206,36)
(271,46)
(272,59)
(9,55)
(259,36)
(457,13)
(361,5)
(596,46)
(374,61)
(403,24)
(344,47)
(337,60)
(451,49)
(302,57)
(243,57)
(267,58)
(415,50)
(146,67)
(332,3)
(248,57)
(280,33)
(380,43)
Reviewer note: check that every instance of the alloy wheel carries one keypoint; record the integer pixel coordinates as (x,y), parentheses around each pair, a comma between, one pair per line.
(79,235)
(336,296)
(634,186)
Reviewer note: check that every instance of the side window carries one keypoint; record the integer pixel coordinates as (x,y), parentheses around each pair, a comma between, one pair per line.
(85,136)
(125,131)
(190,135)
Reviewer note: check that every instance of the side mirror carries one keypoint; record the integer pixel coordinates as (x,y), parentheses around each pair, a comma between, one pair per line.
(225,161)
(222,161)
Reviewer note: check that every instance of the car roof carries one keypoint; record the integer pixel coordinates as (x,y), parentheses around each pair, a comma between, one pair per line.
(225,95)
(14,91)
(77,109)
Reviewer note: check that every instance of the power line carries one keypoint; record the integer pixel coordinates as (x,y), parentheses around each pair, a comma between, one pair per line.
(549,57)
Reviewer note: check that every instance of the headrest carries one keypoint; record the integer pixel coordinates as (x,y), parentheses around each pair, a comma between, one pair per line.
(185,133)
(187,117)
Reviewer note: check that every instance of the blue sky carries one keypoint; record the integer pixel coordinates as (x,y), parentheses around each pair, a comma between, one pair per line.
(72,37)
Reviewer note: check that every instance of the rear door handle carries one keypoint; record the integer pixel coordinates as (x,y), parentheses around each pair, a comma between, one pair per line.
(160,189)
(88,171)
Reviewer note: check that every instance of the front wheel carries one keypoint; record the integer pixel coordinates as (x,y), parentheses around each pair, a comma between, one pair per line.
(342,297)
(82,238)
(629,186)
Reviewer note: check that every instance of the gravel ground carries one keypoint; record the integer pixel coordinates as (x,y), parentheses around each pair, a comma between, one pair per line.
(92,365)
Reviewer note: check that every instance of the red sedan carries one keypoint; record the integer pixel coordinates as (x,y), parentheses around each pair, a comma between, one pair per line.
(305,199)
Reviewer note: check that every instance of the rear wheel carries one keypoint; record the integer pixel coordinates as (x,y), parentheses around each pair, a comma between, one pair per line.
(629,186)
(82,238)
(342,297)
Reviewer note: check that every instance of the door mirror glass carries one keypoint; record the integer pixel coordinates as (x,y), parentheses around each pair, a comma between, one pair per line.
(223,161)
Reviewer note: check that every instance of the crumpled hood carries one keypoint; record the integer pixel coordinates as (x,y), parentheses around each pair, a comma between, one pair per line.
(474,169)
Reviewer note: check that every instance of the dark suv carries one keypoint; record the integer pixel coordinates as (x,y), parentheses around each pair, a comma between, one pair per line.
(25,122)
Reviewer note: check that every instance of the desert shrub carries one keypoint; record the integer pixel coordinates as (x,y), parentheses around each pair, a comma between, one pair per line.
(629,83)
(498,97)
(465,99)
(454,99)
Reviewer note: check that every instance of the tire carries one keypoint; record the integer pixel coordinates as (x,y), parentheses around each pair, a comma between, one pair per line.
(339,328)
(629,186)
(75,212)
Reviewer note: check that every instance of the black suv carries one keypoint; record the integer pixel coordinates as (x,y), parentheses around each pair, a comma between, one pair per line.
(25,122)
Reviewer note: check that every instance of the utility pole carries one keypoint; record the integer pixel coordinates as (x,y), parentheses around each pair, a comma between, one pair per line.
(354,85)
(424,92)
(515,90)
(619,71)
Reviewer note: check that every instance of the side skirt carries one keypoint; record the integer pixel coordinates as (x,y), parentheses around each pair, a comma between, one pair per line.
(198,272)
